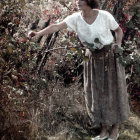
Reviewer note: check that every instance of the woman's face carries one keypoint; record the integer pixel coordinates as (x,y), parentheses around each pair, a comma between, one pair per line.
(81,4)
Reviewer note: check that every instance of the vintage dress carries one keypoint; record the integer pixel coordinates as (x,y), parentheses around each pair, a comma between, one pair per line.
(104,77)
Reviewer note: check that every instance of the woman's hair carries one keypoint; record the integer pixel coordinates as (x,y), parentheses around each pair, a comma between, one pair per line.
(92,3)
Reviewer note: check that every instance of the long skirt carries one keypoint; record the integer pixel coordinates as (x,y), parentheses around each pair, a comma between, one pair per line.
(105,88)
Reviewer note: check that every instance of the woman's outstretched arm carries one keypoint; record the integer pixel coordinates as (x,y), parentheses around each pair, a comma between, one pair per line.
(48,30)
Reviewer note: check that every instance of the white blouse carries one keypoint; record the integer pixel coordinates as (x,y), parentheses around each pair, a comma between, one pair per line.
(100,28)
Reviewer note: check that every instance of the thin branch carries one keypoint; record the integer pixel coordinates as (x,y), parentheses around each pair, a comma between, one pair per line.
(59,48)
(63,3)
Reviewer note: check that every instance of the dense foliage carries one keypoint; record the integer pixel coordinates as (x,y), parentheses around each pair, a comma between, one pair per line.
(19,87)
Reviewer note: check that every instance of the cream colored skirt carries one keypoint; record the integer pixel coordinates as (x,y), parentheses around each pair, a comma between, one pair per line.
(105,88)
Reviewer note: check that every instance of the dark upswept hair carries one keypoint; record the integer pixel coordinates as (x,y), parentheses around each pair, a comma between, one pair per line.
(92,3)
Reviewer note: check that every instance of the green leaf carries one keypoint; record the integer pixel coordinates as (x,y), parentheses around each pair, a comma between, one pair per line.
(79,52)
(56,74)
(66,47)
(137,68)
(73,49)
(87,44)
(97,40)
(28,54)
(69,56)
(72,39)
(118,50)
(43,82)
(85,58)
(10,50)
(90,46)
(2,62)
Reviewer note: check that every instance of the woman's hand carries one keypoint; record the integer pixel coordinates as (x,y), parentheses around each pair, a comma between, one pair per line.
(117,49)
(32,34)
(114,46)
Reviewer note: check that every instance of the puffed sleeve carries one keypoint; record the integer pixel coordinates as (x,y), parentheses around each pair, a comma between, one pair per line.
(112,23)
(71,22)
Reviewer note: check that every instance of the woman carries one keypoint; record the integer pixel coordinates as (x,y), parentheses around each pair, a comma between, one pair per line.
(104,78)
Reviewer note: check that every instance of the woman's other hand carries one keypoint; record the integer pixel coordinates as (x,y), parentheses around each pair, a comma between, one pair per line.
(116,47)
(113,47)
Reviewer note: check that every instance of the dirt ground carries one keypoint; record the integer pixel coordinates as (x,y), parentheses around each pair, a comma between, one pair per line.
(129,130)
